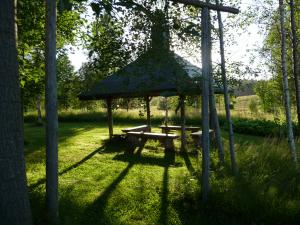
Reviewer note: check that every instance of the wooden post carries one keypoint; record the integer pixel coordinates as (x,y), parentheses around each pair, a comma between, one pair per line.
(215,120)
(183,134)
(110,118)
(206,61)
(51,115)
(147,99)
(226,95)
(208,5)
(167,111)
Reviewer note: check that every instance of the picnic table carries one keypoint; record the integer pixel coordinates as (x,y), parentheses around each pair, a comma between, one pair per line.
(138,136)
(197,137)
(167,140)
(167,129)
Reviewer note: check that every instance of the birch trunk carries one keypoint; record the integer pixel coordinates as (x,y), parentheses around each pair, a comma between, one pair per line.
(295,58)
(51,115)
(287,104)
(206,62)
(226,95)
(14,202)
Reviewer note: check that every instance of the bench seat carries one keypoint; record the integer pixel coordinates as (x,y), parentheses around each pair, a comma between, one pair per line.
(197,137)
(166,129)
(136,129)
(141,137)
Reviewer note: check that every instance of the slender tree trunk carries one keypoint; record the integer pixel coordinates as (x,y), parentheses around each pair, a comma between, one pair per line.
(206,73)
(38,108)
(295,59)
(14,202)
(51,115)
(215,120)
(226,95)
(287,104)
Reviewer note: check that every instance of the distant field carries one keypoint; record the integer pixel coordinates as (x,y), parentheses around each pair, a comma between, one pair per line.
(241,109)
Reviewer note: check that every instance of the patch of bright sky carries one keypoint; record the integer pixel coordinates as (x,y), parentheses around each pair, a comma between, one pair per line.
(247,42)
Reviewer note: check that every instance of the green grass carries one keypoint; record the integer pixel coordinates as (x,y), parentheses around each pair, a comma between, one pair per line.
(100,184)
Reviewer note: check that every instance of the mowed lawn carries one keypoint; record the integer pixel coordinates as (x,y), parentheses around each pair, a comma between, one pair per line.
(100,184)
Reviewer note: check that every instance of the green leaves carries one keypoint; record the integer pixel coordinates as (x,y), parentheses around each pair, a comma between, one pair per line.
(103,5)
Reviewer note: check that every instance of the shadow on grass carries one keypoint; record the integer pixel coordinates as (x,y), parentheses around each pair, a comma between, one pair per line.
(164,214)
(96,213)
(109,146)
(188,163)
(35,140)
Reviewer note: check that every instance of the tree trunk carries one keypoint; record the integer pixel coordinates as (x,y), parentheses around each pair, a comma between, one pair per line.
(226,95)
(51,115)
(287,104)
(206,73)
(14,202)
(38,108)
(295,59)
(215,120)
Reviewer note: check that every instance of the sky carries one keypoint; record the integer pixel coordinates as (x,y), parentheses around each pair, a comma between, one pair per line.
(246,41)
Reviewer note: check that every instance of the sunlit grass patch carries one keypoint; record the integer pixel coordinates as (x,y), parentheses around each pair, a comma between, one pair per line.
(100,184)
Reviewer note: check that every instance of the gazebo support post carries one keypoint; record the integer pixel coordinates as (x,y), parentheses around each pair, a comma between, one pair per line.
(167,111)
(206,73)
(110,117)
(183,135)
(147,99)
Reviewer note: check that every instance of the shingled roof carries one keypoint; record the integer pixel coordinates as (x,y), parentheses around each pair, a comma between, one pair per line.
(152,74)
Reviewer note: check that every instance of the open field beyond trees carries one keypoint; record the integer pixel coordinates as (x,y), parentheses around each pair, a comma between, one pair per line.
(100,184)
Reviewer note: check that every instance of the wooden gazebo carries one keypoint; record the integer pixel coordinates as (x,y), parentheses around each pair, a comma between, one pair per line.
(152,74)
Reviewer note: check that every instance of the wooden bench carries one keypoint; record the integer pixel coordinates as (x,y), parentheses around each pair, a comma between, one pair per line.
(137,129)
(167,140)
(197,137)
(167,129)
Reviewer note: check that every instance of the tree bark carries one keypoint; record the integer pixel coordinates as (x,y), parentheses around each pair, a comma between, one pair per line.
(14,202)
(206,73)
(51,115)
(226,95)
(295,58)
(287,104)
